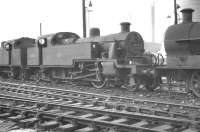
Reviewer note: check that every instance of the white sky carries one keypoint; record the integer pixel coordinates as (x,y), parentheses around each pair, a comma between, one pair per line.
(20,18)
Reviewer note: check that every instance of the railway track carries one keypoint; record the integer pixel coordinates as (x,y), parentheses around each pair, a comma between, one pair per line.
(57,97)
(144,106)
(69,115)
(162,94)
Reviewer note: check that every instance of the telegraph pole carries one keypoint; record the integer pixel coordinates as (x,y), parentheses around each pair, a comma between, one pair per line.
(153,20)
(84,18)
(175,13)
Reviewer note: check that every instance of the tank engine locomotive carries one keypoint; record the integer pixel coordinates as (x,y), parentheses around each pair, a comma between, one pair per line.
(13,56)
(98,59)
(117,58)
(183,53)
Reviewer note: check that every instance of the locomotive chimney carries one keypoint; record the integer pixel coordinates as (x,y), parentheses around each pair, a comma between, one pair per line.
(94,32)
(187,15)
(125,27)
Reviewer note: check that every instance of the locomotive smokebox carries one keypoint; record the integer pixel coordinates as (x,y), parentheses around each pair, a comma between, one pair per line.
(94,32)
(187,15)
(125,27)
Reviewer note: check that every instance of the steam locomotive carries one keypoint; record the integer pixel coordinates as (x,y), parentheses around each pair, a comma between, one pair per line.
(183,53)
(118,58)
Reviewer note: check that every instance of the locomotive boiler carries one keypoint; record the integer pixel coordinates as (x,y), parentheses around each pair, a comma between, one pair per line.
(183,53)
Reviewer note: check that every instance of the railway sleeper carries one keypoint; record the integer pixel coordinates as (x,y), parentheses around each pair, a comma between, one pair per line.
(66,128)
(103,118)
(5,115)
(163,127)
(48,125)
(86,115)
(140,124)
(98,107)
(27,122)
(177,115)
(16,118)
(67,113)
(86,129)
(162,113)
(190,130)
(7,126)
(121,120)
(73,126)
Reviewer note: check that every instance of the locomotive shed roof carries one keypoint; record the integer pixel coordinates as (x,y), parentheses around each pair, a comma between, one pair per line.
(183,32)
(108,38)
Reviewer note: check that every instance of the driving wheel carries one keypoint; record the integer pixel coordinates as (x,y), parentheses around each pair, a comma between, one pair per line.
(100,81)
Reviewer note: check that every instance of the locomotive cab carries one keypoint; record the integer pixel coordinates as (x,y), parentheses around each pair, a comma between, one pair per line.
(61,48)
(61,38)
